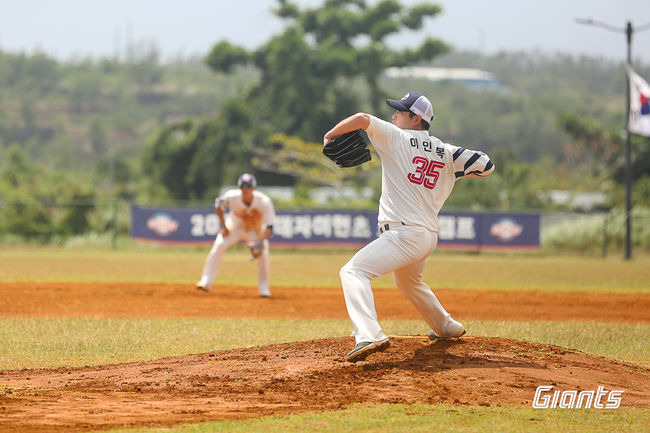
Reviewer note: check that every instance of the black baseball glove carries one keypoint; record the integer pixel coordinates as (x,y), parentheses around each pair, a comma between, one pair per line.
(348,150)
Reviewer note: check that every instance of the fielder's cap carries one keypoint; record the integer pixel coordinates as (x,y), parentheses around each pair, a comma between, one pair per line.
(415,103)
(246,181)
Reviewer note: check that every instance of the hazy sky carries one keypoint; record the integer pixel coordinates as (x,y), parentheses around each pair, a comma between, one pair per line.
(80,28)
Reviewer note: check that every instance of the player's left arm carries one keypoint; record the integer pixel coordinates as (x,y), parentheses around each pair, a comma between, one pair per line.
(471,163)
(268,232)
(268,218)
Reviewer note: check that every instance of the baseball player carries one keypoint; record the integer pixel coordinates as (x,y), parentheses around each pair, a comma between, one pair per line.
(249,220)
(418,173)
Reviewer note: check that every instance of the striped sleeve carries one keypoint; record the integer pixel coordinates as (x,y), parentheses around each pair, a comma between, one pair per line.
(471,163)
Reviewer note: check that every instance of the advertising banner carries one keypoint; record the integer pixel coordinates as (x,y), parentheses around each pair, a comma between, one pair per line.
(488,231)
(316,228)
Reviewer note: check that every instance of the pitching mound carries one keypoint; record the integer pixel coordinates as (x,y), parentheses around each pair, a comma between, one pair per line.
(301,377)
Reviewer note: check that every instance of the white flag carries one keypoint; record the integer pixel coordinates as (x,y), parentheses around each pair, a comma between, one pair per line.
(639,122)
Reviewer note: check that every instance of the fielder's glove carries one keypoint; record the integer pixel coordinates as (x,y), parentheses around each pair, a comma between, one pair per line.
(348,150)
(256,249)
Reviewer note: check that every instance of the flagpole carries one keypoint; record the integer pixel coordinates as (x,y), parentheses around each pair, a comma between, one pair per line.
(628,151)
(629,31)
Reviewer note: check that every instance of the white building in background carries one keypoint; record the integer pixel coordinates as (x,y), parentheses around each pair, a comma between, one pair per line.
(577,201)
(473,78)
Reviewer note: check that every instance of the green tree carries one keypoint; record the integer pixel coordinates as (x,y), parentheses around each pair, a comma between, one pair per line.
(193,158)
(309,76)
(86,93)
(36,203)
(74,219)
(512,186)
(602,149)
(593,143)
(168,156)
(17,173)
(145,70)
(306,71)
(291,155)
(20,182)
(97,136)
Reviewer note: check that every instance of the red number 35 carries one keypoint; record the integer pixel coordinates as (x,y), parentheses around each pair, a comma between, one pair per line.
(426,172)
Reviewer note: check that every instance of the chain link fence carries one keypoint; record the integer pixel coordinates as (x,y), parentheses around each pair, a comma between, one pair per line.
(50,221)
(596,233)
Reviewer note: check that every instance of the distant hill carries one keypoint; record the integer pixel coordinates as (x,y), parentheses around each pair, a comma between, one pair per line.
(81,116)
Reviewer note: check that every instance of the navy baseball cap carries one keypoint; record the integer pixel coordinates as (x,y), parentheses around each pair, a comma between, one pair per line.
(414,102)
(246,181)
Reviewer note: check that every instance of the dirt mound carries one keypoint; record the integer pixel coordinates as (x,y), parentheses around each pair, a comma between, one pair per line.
(302,377)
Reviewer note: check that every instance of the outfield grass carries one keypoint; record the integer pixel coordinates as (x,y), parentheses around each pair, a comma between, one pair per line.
(421,418)
(321,269)
(54,342)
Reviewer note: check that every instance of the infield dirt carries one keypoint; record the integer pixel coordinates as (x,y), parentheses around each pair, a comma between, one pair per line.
(304,376)
(176,300)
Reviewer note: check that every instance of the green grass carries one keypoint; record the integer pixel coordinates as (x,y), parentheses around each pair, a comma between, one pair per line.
(421,418)
(321,269)
(622,341)
(52,342)
(48,342)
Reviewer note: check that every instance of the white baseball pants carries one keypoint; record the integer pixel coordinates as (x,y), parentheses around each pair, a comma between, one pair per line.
(402,250)
(221,244)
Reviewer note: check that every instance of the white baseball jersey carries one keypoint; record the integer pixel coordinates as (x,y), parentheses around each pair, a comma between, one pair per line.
(419,172)
(244,223)
(254,217)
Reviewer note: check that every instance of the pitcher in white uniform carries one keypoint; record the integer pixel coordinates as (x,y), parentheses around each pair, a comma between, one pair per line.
(418,174)
(249,220)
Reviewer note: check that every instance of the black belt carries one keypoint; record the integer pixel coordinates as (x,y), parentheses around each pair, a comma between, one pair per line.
(385,227)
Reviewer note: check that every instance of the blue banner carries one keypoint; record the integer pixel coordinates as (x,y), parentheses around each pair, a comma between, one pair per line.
(174,225)
(458,230)
(479,231)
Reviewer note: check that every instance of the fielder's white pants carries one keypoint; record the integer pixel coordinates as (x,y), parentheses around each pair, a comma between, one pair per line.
(402,250)
(221,244)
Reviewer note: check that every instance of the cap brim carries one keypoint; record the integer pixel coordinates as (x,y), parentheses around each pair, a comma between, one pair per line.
(398,105)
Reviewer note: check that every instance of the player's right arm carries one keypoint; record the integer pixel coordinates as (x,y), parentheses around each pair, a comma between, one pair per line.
(352,123)
(220,205)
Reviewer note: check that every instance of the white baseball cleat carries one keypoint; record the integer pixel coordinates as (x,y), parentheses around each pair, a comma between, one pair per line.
(202,287)
(453,329)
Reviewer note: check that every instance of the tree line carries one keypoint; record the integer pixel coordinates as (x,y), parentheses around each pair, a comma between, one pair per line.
(147,131)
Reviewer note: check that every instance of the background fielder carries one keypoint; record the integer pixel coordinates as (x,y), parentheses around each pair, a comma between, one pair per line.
(250,220)
(418,174)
